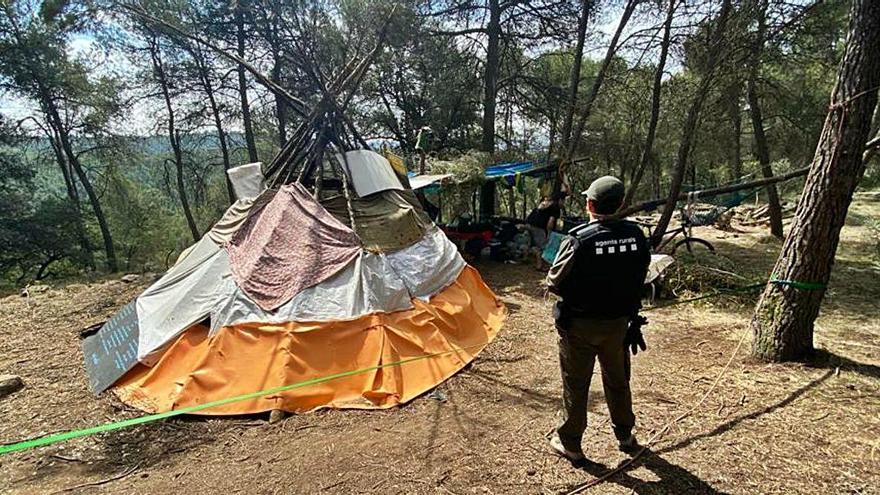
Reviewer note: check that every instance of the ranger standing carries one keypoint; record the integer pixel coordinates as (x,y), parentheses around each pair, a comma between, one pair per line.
(598,273)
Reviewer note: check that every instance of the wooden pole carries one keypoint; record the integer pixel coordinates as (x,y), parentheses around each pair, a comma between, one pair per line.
(715,191)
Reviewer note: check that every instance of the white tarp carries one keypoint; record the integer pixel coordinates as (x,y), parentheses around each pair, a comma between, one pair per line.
(369,172)
(184,296)
(371,283)
(367,285)
(247,180)
(659,263)
(428,266)
(231,221)
(419,181)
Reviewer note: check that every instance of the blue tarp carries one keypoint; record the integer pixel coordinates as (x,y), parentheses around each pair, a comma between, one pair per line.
(505,169)
(552,247)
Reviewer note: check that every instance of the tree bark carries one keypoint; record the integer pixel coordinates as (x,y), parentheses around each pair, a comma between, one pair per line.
(173,137)
(72,195)
(575,138)
(735,110)
(208,86)
(73,161)
(690,124)
(648,150)
(761,149)
(490,75)
(574,79)
(280,104)
(247,122)
(784,317)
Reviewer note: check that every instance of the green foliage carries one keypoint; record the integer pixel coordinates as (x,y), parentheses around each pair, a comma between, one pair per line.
(36,240)
(467,174)
(421,79)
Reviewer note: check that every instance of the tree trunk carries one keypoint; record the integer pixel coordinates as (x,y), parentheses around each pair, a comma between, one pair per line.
(574,79)
(735,111)
(490,76)
(784,317)
(66,158)
(575,139)
(761,149)
(690,124)
(247,122)
(173,138)
(280,104)
(648,150)
(207,85)
(72,195)
(73,160)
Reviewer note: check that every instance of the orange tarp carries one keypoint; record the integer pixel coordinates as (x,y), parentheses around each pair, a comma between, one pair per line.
(197,368)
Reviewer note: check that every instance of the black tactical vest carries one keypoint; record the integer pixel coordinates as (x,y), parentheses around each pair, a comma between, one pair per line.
(610,264)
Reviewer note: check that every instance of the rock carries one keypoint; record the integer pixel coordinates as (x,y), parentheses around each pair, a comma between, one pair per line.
(10,384)
(766,239)
(131,277)
(276,415)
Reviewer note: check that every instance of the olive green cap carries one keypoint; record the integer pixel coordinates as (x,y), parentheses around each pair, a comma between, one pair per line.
(607,190)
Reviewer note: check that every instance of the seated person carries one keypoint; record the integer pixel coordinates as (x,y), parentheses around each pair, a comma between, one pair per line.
(541,221)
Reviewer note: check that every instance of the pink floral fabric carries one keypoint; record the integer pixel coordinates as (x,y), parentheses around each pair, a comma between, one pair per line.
(291,244)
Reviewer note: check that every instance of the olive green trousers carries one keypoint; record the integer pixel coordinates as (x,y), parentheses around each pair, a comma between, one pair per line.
(580,344)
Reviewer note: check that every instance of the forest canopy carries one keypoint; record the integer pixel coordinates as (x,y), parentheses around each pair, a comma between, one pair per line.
(116,133)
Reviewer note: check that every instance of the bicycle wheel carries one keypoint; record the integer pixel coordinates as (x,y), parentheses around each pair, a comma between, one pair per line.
(694,245)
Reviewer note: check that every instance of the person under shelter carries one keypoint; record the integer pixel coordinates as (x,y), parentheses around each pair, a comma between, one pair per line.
(541,221)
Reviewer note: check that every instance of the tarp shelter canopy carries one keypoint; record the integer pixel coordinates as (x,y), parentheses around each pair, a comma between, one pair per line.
(417,182)
(511,169)
(508,170)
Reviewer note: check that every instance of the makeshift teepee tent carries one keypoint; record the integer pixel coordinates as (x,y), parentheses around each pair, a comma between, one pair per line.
(325,264)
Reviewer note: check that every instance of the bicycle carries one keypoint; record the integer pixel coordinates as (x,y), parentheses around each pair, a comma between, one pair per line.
(689,220)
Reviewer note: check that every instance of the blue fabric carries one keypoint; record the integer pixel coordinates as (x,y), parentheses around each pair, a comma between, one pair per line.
(508,169)
(552,247)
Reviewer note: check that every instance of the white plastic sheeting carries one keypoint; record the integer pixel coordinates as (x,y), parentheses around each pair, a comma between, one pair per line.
(231,221)
(372,283)
(247,180)
(367,285)
(184,296)
(428,266)
(370,172)
(419,181)
(659,263)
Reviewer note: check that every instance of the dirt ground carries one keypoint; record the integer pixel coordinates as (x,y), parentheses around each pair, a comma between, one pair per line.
(795,428)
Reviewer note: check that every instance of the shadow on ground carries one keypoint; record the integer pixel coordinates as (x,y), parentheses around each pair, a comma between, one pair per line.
(671,477)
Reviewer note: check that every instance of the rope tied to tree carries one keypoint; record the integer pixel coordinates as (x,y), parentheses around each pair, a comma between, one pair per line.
(797,284)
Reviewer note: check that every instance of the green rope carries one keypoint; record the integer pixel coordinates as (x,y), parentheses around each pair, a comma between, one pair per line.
(798,285)
(149,418)
(61,437)
(719,293)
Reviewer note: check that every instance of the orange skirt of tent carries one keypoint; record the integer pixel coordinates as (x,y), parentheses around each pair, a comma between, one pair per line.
(240,359)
